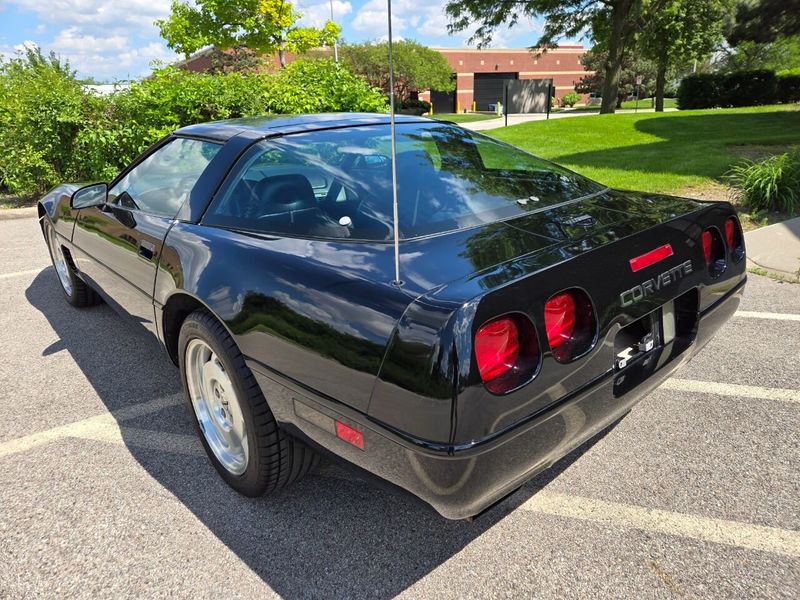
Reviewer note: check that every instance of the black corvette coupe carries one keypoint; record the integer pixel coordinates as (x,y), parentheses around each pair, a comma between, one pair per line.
(534,307)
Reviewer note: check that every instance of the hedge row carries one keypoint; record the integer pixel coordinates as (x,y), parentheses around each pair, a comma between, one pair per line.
(740,88)
(52,131)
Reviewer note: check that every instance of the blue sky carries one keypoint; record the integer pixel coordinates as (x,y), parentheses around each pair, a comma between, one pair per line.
(110,39)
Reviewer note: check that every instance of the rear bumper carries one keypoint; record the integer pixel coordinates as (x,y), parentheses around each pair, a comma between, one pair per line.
(462,481)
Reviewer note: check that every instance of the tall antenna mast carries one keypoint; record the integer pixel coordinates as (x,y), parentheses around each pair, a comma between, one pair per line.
(397,281)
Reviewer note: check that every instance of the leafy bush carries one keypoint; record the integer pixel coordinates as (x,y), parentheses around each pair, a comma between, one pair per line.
(771,184)
(699,91)
(415,106)
(52,131)
(320,85)
(740,88)
(789,85)
(570,99)
(749,88)
(41,112)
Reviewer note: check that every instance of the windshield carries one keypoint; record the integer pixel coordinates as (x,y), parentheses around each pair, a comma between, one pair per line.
(337,183)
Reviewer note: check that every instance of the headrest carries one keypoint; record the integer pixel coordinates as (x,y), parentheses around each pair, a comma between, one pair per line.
(285,192)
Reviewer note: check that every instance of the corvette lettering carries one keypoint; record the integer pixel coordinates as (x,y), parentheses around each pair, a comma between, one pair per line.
(651,286)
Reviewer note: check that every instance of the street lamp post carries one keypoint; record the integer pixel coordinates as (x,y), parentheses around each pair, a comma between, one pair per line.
(639,79)
(335,44)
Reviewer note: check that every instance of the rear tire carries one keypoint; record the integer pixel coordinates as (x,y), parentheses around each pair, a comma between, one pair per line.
(75,290)
(237,429)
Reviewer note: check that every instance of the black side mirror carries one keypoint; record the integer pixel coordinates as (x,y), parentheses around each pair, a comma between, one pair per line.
(90,195)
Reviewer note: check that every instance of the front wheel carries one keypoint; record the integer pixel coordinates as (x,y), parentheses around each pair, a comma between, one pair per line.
(75,289)
(237,428)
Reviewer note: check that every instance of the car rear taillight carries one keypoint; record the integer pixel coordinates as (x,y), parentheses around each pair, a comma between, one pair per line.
(570,323)
(497,348)
(559,319)
(506,352)
(733,239)
(713,251)
(708,240)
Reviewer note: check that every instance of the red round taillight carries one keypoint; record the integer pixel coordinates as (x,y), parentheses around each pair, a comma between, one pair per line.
(506,352)
(734,239)
(496,348)
(570,323)
(713,251)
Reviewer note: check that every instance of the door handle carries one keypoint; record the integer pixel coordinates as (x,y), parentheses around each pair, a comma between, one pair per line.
(147,249)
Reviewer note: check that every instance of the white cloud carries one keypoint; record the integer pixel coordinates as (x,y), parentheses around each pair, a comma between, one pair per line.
(112,55)
(100,14)
(102,38)
(315,14)
(410,19)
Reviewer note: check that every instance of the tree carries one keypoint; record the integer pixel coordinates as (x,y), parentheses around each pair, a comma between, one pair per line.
(682,30)
(262,26)
(416,67)
(765,21)
(783,53)
(632,67)
(614,25)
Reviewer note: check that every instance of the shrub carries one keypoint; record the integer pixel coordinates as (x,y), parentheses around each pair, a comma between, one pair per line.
(699,91)
(749,88)
(771,184)
(41,112)
(570,99)
(415,107)
(740,88)
(321,85)
(52,131)
(789,85)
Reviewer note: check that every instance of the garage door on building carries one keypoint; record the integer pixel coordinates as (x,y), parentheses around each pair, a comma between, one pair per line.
(489,88)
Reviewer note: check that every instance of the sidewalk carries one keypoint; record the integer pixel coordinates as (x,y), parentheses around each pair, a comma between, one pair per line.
(7,214)
(516,119)
(776,249)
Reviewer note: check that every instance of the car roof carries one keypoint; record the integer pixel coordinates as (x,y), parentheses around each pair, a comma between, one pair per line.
(268,125)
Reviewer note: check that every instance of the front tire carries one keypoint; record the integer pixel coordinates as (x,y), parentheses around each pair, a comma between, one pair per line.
(237,429)
(76,292)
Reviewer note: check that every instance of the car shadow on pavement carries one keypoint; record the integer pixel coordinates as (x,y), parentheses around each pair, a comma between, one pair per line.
(329,535)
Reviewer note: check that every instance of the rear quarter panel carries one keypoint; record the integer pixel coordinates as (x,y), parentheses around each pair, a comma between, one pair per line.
(315,313)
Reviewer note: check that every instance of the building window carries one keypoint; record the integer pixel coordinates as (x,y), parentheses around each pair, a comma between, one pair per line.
(511,62)
(558,62)
(481,63)
(461,62)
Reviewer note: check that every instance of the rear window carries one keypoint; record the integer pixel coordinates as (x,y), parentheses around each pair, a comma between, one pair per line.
(337,183)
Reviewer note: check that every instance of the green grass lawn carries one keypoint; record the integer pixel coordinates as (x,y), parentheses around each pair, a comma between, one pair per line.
(628,104)
(648,103)
(463,118)
(656,152)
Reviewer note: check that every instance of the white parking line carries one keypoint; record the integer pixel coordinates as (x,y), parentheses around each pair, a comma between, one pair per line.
(87,428)
(720,531)
(22,273)
(751,314)
(731,389)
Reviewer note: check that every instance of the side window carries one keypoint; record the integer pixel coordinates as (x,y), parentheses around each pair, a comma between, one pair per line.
(161,183)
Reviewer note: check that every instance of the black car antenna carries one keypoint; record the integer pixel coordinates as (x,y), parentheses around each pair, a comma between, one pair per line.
(397,280)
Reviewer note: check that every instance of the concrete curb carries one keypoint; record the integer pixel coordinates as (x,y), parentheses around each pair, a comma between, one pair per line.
(775,250)
(6,214)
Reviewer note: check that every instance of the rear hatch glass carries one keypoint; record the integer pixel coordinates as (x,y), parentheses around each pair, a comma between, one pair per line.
(337,183)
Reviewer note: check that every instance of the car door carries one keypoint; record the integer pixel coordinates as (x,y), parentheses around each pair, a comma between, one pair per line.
(117,244)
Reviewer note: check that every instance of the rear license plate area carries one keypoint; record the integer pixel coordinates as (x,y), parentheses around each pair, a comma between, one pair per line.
(637,347)
(642,347)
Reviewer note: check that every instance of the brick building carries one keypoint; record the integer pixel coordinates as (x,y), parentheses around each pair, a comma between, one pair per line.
(480,74)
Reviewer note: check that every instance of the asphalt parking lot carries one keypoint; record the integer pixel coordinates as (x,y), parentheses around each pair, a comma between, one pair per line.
(105,491)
